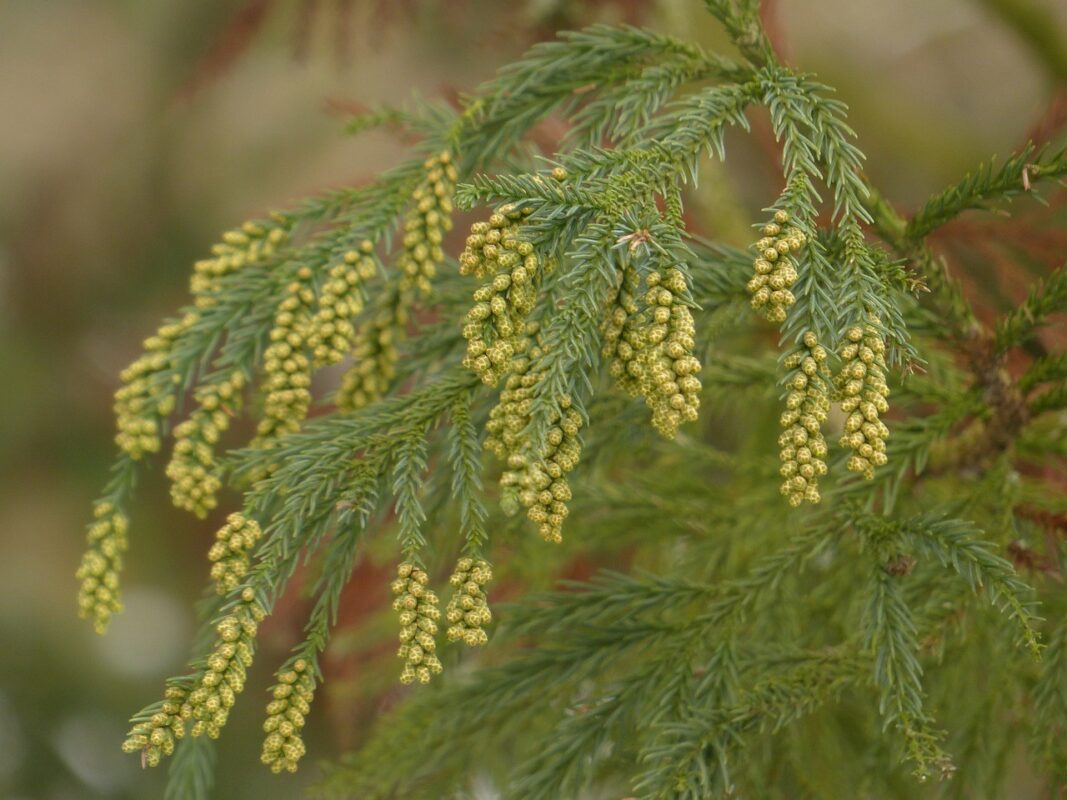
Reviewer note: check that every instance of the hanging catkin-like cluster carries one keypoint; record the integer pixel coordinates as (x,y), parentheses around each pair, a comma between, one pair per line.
(426,224)
(861,384)
(669,369)
(651,348)
(229,555)
(223,678)
(535,480)
(287,367)
(375,355)
(468,608)
(98,595)
(803,448)
(332,333)
(623,338)
(375,343)
(145,397)
(290,703)
(192,469)
(207,705)
(250,244)
(157,736)
(508,418)
(775,271)
(489,244)
(543,487)
(417,606)
(496,322)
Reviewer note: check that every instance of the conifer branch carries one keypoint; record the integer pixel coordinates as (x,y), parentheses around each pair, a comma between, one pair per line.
(931,269)
(407,482)
(958,544)
(591,293)
(1044,370)
(892,638)
(1020,173)
(1050,706)
(617,112)
(464,453)
(555,75)
(191,775)
(692,761)
(741,20)
(1047,298)
(1054,399)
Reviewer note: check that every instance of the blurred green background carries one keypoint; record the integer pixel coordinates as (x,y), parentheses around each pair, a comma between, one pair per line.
(133,131)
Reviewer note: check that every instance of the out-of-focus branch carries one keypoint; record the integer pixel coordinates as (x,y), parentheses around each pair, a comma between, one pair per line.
(1037,28)
(929,267)
(976,341)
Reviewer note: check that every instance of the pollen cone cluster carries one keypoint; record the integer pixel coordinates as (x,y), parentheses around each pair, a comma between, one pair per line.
(374,345)
(147,396)
(214,691)
(417,606)
(223,678)
(332,333)
(426,224)
(669,370)
(192,469)
(287,367)
(623,337)
(250,244)
(803,448)
(468,609)
(535,474)
(861,384)
(229,555)
(157,736)
(508,418)
(289,706)
(98,595)
(496,322)
(375,355)
(775,270)
(543,487)
(651,347)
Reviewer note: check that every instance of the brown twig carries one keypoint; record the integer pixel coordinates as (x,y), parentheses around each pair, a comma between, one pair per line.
(1049,124)
(772,25)
(226,48)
